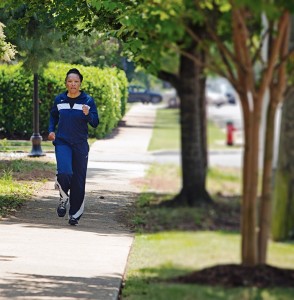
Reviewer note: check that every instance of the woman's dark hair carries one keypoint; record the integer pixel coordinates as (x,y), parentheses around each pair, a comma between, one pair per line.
(74,71)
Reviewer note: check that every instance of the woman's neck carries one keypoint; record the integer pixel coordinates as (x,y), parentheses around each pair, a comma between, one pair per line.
(73,95)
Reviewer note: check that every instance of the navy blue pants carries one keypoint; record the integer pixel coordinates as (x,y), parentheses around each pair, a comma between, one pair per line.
(72,161)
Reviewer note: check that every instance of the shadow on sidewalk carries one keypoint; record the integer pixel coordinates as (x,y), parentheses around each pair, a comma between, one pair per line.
(32,286)
(103,213)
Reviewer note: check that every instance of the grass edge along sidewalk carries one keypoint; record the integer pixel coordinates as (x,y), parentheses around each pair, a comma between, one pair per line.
(163,249)
(19,179)
(21,175)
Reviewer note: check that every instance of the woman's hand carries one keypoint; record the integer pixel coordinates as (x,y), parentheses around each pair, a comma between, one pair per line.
(51,136)
(86,109)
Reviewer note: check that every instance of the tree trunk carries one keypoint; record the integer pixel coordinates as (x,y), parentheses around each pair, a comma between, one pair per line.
(277,89)
(191,87)
(283,196)
(265,199)
(203,124)
(251,96)
(250,183)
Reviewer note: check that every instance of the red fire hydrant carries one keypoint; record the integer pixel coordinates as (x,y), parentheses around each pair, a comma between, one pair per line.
(230,133)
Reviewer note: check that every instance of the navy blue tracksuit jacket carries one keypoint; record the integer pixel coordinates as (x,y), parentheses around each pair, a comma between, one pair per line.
(71,146)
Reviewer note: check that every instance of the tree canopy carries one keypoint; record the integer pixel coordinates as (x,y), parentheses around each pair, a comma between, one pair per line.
(7,50)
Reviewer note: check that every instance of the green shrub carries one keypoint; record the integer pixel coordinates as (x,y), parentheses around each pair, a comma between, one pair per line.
(107,86)
(123,86)
(16,105)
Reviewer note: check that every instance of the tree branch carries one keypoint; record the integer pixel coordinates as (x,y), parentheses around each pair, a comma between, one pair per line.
(220,44)
(280,85)
(170,77)
(239,42)
(268,73)
(188,55)
(284,58)
(240,34)
(224,52)
(192,34)
(258,51)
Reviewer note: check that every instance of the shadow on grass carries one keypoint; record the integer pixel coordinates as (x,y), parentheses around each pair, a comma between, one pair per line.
(146,285)
(151,215)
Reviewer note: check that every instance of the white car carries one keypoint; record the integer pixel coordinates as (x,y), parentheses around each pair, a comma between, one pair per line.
(219,92)
(214,96)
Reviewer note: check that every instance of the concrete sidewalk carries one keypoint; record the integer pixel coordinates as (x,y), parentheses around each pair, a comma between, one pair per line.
(42,257)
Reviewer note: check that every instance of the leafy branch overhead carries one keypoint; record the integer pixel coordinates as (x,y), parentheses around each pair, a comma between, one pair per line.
(7,50)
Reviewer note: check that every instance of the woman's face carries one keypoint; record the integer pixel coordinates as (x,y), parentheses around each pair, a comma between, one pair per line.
(73,84)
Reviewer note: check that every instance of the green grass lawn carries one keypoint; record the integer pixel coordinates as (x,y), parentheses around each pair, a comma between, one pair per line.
(26,146)
(171,242)
(12,194)
(166,133)
(159,256)
(19,178)
(23,146)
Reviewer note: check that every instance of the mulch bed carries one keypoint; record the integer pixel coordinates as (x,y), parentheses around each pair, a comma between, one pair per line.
(232,275)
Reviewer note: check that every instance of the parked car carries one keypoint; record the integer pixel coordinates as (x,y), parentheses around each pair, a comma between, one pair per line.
(140,94)
(219,92)
(214,96)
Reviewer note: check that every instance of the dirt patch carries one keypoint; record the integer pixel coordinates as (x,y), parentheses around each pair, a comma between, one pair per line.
(159,184)
(29,169)
(232,275)
(34,175)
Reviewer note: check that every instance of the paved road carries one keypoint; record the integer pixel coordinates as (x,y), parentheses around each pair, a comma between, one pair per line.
(221,115)
(230,157)
(42,257)
(220,158)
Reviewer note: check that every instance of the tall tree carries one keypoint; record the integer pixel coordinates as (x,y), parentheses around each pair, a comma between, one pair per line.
(149,31)
(248,37)
(282,226)
(33,31)
(283,198)
(276,94)
(201,22)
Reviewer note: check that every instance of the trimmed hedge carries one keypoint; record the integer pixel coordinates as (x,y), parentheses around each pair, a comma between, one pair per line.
(107,86)
(15,102)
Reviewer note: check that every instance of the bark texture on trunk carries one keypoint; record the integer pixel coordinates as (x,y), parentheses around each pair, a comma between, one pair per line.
(249,201)
(251,107)
(193,136)
(251,95)
(277,89)
(265,199)
(283,196)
